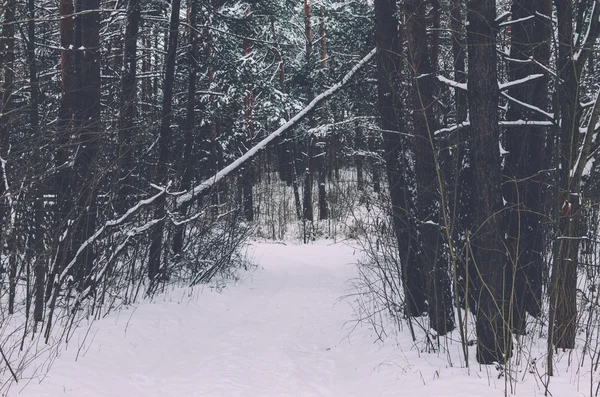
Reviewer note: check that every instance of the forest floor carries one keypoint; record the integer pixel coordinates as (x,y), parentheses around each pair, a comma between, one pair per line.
(285,328)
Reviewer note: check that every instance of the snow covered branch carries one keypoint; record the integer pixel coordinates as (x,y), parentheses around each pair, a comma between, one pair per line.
(207,184)
(452,83)
(510,84)
(529,106)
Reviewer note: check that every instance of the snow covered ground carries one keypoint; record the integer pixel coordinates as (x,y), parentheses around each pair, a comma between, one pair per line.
(285,329)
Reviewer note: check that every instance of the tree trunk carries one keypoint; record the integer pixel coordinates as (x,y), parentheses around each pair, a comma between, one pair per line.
(494,341)
(189,162)
(571,163)
(459,174)
(310,141)
(85,166)
(433,259)
(164,143)
(68,118)
(6,232)
(37,235)
(522,166)
(389,67)
(323,144)
(127,129)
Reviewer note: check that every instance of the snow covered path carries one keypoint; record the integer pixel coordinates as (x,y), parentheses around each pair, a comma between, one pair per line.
(283,331)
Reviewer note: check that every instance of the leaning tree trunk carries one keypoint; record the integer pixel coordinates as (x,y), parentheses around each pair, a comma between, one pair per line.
(494,341)
(433,258)
(389,67)
(164,143)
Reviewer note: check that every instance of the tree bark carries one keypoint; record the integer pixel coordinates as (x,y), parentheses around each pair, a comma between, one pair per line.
(433,259)
(6,119)
(37,235)
(389,67)
(310,141)
(164,143)
(494,343)
(127,129)
(189,162)
(572,155)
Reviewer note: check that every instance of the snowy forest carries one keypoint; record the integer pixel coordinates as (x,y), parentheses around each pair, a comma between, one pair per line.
(147,146)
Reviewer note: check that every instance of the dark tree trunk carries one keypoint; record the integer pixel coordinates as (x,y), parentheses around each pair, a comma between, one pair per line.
(323,144)
(37,235)
(189,162)
(248,169)
(164,143)
(359,144)
(288,148)
(522,166)
(310,141)
(68,117)
(572,153)
(494,341)
(127,130)
(87,173)
(459,175)
(389,67)
(283,148)
(435,33)
(433,259)
(8,56)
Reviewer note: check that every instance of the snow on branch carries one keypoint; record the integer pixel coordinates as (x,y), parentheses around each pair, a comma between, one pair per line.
(503,17)
(207,184)
(114,222)
(586,37)
(580,164)
(529,106)
(510,84)
(452,83)
(529,123)
(512,21)
(528,60)
(512,123)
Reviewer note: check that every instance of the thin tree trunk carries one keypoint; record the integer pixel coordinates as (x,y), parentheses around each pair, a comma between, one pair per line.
(37,244)
(127,130)
(248,171)
(189,162)
(164,143)
(308,177)
(323,146)
(6,232)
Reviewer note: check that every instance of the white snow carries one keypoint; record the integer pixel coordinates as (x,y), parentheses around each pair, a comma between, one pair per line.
(452,83)
(509,84)
(286,329)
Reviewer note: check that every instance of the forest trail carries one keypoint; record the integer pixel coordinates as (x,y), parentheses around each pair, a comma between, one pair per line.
(284,330)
